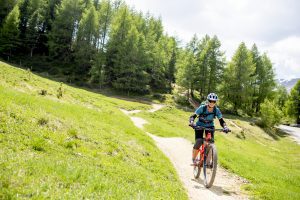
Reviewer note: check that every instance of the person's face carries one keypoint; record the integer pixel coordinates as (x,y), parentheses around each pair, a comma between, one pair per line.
(211,103)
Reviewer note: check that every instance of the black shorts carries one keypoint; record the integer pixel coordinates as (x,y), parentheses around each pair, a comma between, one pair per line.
(199,133)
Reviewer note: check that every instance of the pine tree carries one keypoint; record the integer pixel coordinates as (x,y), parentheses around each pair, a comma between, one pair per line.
(264,81)
(35,24)
(186,68)
(105,13)
(9,35)
(202,66)
(5,7)
(24,17)
(116,48)
(64,30)
(171,69)
(105,16)
(125,50)
(238,78)
(215,61)
(155,45)
(85,48)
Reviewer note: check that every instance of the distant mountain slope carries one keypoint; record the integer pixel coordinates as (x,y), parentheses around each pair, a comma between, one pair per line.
(288,84)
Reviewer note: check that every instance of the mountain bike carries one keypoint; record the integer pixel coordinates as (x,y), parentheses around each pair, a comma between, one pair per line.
(207,158)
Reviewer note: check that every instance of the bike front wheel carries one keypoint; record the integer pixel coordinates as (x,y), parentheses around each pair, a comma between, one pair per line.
(210,165)
(197,167)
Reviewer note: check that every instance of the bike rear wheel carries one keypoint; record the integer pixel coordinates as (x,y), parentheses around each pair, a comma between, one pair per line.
(210,165)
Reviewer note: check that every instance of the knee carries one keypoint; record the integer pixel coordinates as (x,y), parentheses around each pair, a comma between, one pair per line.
(198,143)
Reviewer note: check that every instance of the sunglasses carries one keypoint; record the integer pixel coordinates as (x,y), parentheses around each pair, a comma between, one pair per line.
(211,101)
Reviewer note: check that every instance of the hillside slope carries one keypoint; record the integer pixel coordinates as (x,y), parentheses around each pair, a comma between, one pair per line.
(74,147)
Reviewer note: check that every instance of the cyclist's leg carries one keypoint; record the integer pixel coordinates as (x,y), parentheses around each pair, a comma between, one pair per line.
(198,142)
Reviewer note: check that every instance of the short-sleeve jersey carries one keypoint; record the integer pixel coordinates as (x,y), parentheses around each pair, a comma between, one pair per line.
(210,117)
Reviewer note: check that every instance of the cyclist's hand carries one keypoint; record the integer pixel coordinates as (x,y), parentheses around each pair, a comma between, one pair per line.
(226,129)
(191,124)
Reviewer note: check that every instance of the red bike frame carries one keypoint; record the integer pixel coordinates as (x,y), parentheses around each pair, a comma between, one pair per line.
(203,148)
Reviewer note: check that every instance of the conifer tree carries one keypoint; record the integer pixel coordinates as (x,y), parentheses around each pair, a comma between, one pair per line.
(85,48)
(238,78)
(125,50)
(263,82)
(35,24)
(5,7)
(64,30)
(9,34)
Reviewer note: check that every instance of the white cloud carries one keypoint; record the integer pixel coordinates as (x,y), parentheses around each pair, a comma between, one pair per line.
(285,55)
(272,24)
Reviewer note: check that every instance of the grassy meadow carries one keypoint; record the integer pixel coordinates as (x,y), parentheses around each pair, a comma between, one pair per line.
(76,146)
(79,145)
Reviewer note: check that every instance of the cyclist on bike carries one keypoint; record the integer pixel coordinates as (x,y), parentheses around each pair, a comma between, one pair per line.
(206,114)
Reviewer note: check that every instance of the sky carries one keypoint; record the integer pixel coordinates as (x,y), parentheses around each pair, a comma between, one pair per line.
(273,25)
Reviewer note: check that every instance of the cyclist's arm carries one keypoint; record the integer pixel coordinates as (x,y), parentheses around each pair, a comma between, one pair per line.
(222,122)
(220,117)
(192,118)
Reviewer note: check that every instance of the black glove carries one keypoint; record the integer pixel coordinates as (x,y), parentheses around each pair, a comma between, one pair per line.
(226,129)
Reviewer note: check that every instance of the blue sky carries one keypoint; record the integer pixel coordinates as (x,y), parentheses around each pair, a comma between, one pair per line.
(274,25)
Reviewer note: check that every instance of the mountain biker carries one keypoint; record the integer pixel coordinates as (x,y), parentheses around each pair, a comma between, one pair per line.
(206,114)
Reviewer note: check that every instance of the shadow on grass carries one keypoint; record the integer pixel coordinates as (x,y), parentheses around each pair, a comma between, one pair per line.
(275,133)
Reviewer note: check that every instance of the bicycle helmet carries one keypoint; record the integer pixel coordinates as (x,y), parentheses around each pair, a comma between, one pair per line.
(212,97)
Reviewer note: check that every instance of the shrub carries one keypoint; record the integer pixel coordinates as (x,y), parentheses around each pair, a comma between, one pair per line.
(60,91)
(38,145)
(43,121)
(43,92)
(270,114)
(73,133)
(159,97)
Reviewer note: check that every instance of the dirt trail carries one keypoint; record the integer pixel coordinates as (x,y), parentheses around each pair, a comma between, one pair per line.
(178,150)
(294,132)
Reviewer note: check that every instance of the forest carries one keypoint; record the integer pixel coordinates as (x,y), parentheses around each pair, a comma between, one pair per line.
(107,44)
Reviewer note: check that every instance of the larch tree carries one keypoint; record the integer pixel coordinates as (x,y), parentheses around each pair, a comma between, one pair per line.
(9,34)
(64,30)
(85,48)
(238,78)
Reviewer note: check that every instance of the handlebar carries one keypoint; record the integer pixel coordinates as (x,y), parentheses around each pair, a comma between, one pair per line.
(208,129)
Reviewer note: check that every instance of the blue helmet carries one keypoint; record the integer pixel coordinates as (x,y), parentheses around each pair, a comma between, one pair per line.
(212,97)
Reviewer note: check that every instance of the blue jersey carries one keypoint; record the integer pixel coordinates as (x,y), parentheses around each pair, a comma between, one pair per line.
(209,117)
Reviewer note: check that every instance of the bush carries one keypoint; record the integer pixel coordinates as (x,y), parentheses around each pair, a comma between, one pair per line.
(181,100)
(60,91)
(270,114)
(159,97)
(43,92)
(43,121)
(38,145)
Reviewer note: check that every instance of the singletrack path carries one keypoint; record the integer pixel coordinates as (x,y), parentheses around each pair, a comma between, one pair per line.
(294,132)
(179,150)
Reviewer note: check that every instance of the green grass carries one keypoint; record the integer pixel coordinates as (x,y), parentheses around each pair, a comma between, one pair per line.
(271,162)
(78,146)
